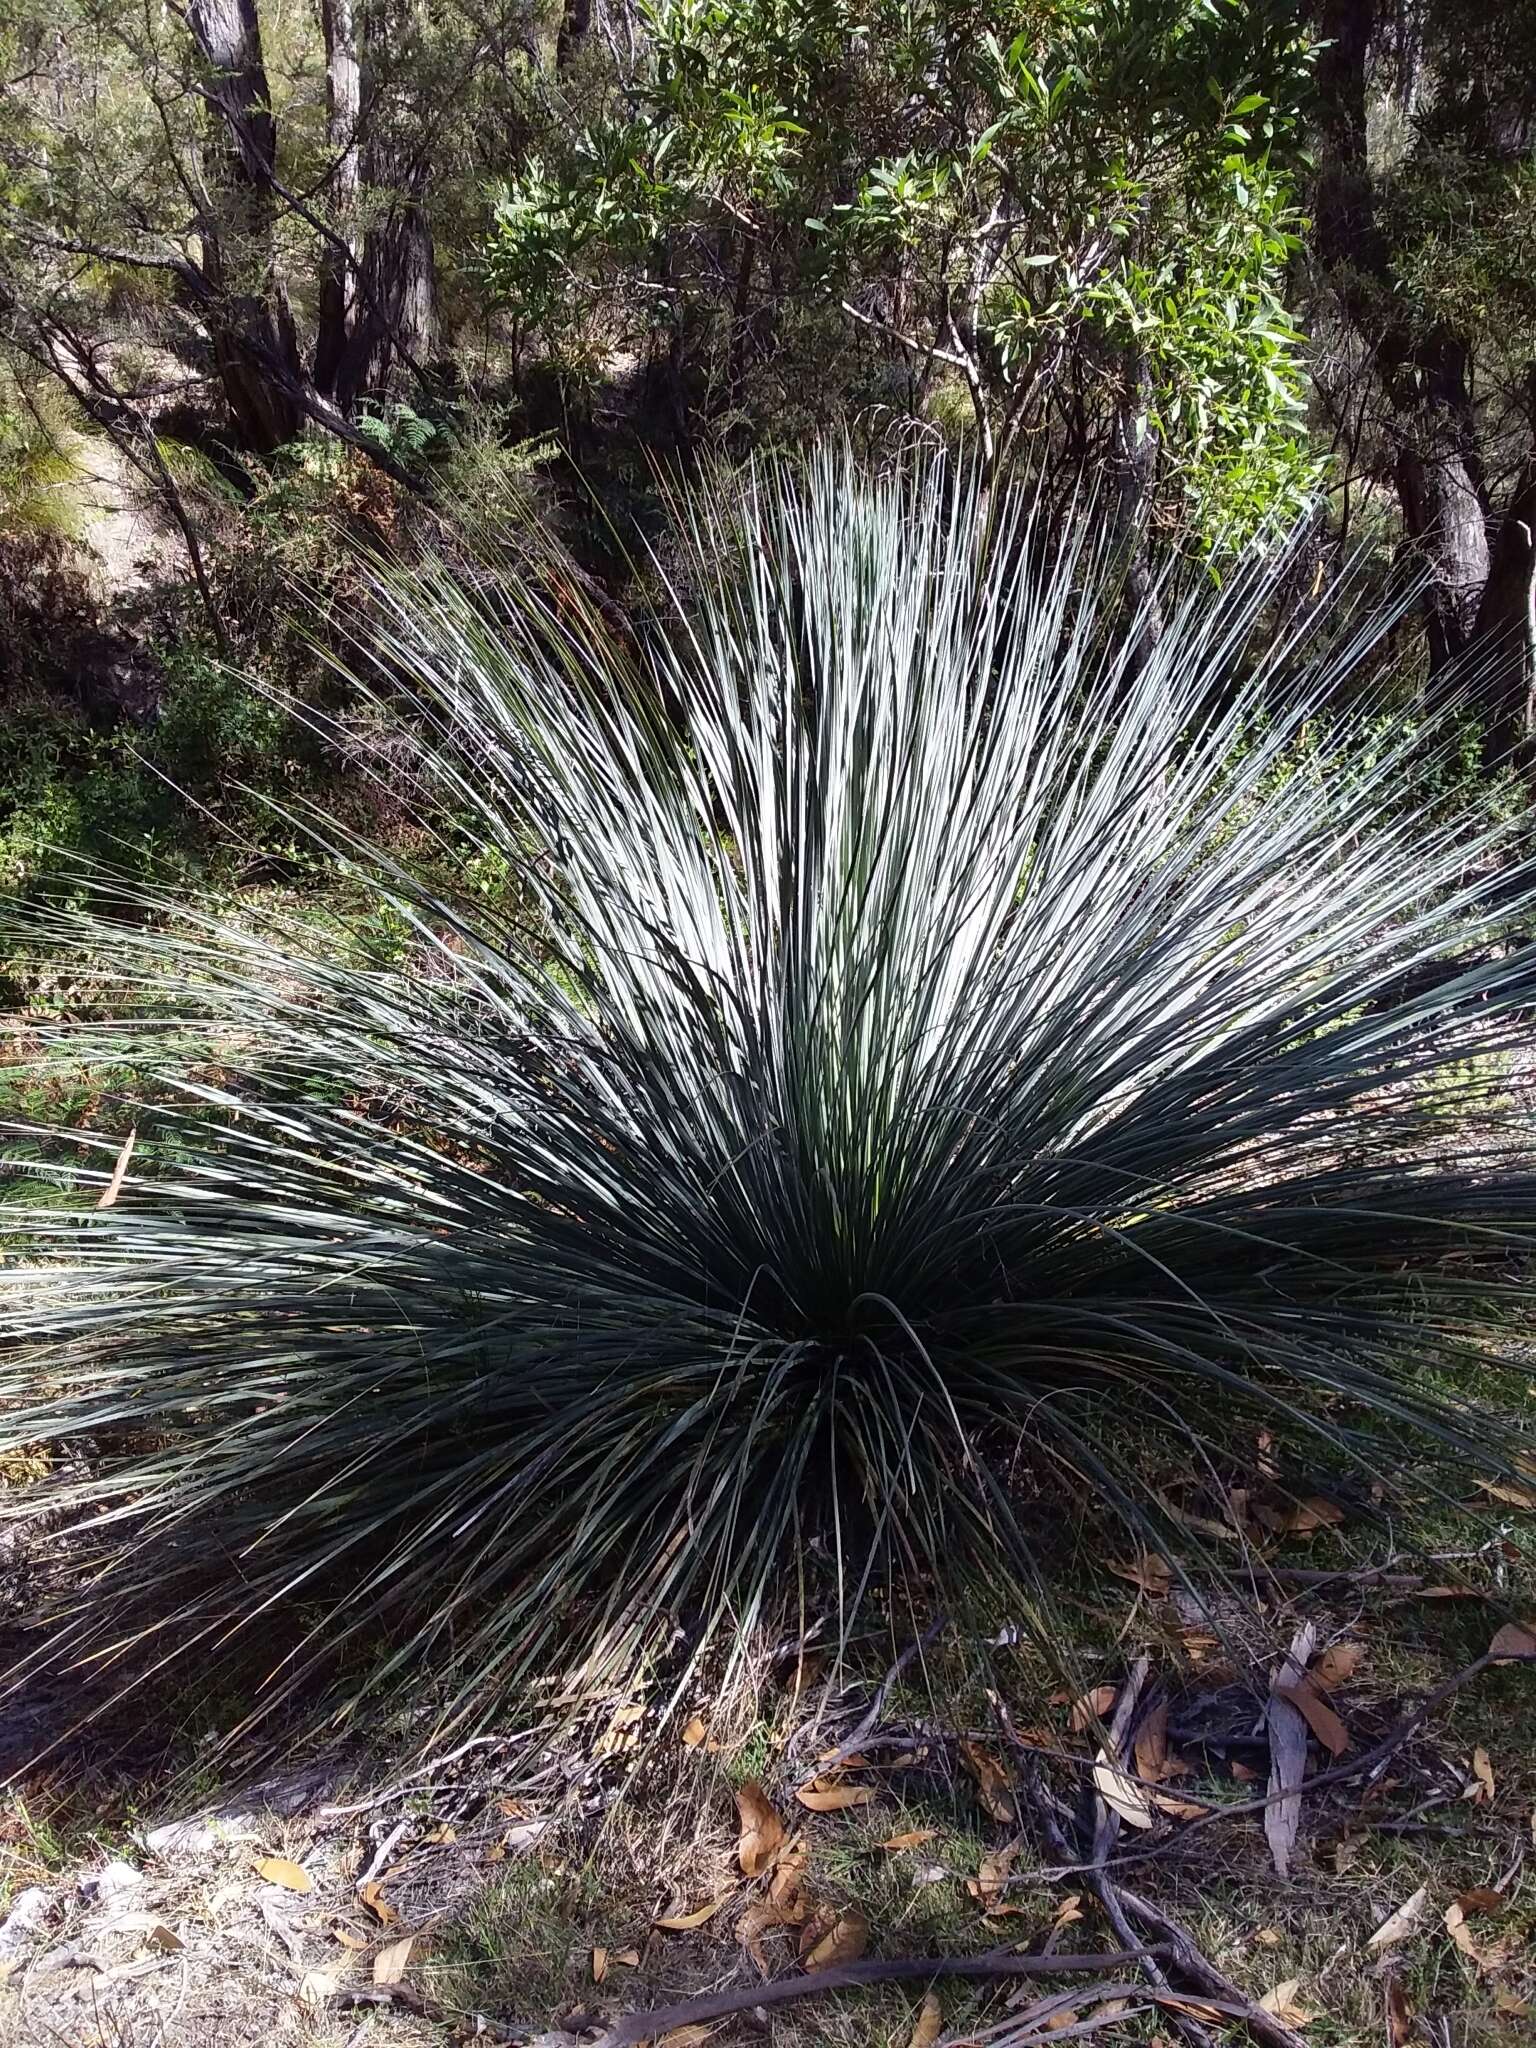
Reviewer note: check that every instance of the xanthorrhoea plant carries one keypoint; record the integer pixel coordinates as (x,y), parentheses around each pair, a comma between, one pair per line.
(921,1034)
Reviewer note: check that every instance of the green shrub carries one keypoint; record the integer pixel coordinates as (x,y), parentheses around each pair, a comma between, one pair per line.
(915,1075)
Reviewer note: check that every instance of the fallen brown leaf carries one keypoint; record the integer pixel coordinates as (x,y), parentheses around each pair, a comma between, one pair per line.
(1149,1573)
(1151,1753)
(1399,1924)
(1517,1496)
(761,1830)
(1244,1773)
(1058,2022)
(377,1904)
(1400,2027)
(762,1917)
(389,1964)
(1480,1787)
(1482,1898)
(1336,1666)
(845,1942)
(1487,1958)
(789,1869)
(825,1798)
(628,1958)
(1318,1715)
(914,1838)
(991,1876)
(1174,2001)
(1120,1794)
(1090,1707)
(279,1870)
(681,1923)
(1068,1913)
(599,1965)
(1298,1517)
(316,1988)
(347,1938)
(929,2023)
(686,2037)
(993,1789)
(695,1732)
(1514,1639)
(1283,2004)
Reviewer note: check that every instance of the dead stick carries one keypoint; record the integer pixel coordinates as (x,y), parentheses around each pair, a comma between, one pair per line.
(648,2026)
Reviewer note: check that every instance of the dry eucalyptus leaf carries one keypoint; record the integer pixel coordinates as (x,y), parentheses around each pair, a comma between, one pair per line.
(681,1923)
(1120,1794)
(1152,1743)
(845,1942)
(1284,2004)
(599,1965)
(1514,1639)
(1336,1666)
(1481,1898)
(279,1870)
(377,1904)
(1149,1573)
(1091,1707)
(686,2037)
(1174,2001)
(760,1918)
(991,1875)
(1480,1787)
(626,1958)
(1345,1853)
(1400,2027)
(316,1988)
(1299,1517)
(914,1838)
(789,1870)
(1068,1913)
(993,1789)
(929,2023)
(695,1732)
(389,1964)
(347,1938)
(1517,1496)
(823,1798)
(1318,1715)
(1399,1924)
(761,1830)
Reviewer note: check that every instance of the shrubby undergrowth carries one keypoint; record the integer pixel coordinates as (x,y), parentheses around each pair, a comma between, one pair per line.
(928,1050)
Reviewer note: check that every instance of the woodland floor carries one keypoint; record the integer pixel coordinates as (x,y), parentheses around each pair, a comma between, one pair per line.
(946,1806)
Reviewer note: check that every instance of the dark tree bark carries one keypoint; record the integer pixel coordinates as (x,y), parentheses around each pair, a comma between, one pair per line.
(250,321)
(395,320)
(1504,642)
(1479,593)
(343,111)
(1440,487)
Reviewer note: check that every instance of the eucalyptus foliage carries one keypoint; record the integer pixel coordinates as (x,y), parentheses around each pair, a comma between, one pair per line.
(927,1058)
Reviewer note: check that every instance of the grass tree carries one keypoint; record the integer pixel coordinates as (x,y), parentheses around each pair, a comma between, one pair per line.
(925,1061)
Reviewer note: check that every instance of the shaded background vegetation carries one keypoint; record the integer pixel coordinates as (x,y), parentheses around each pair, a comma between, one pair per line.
(274,276)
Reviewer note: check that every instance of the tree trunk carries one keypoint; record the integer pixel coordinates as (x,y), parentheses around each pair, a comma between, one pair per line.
(1440,488)
(1504,642)
(343,111)
(251,323)
(395,324)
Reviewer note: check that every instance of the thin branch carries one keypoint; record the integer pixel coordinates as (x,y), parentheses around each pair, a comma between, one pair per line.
(718,2005)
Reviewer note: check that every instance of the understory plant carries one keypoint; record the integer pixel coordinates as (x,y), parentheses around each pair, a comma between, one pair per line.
(948,1038)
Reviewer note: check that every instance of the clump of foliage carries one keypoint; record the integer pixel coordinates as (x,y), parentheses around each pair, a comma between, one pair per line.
(926,1050)
(1077,215)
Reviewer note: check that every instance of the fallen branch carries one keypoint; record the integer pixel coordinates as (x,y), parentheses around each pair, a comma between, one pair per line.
(649,2025)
